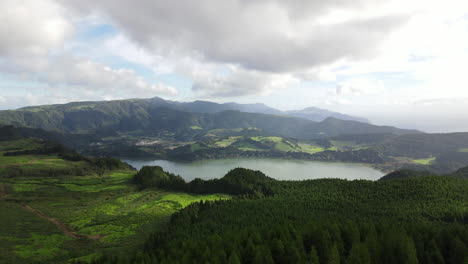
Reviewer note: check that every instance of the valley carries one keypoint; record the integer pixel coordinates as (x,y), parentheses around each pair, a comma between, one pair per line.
(104,183)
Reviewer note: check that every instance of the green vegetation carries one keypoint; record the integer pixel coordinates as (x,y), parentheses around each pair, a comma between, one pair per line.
(310,148)
(196,127)
(58,206)
(226,141)
(463,150)
(410,220)
(426,161)
(197,146)
(262,143)
(102,207)
(236,182)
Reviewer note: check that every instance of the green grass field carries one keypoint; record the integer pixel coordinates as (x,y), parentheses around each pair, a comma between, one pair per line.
(21,144)
(283,144)
(267,139)
(424,161)
(226,141)
(107,207)
(344,145)
(463,150)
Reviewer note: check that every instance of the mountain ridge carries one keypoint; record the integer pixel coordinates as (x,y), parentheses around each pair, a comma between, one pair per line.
(157,115)
(202,106)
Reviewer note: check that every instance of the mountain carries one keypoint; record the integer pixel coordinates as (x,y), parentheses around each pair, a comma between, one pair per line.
(210,107)
(310,113)
(154,116)
(317,114)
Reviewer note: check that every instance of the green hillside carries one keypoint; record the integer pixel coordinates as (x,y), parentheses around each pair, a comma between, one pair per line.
(56,206)
(61,206)
(155,116)
(413,220)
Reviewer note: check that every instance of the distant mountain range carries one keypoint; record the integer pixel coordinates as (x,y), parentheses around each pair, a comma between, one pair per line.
(310,113)
(183,121)
(317,114)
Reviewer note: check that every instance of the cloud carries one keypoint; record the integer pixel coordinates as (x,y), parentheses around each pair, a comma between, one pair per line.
(240,82)
(82,72)
(270,36)
(29,30)
(359,86)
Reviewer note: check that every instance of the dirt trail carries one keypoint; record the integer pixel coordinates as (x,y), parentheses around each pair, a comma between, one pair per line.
(66,230)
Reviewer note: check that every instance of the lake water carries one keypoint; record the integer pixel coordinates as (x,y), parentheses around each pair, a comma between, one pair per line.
(275,168)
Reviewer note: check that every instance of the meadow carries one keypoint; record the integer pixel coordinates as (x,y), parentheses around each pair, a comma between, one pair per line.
(100,212)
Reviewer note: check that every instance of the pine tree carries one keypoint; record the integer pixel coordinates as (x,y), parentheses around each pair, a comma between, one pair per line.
(234,258)
(334,256)
(358,255)
(314,259)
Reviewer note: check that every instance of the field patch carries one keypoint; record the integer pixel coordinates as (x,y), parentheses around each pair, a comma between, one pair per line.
(424,161)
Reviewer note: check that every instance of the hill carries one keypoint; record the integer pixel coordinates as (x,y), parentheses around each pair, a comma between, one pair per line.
(153,116)
(101,211)
(61,208)
(412,220)
(317,114)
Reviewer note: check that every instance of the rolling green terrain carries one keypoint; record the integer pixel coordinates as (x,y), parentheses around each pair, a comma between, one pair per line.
(156,128)
(61,207)
(406,220)
(50,217)
(156,116)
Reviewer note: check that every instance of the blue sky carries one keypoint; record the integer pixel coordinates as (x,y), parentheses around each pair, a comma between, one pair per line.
(393,62)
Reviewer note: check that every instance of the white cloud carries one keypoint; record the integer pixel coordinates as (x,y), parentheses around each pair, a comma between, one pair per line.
(83,72)
(29,30)
(276,36)
(238,82)
(359,86)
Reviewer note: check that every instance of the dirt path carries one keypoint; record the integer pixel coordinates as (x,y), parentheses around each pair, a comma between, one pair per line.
(66,230)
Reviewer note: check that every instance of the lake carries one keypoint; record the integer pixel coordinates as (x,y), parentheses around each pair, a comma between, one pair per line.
(276,168)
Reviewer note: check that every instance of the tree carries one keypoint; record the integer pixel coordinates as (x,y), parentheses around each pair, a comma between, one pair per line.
(333,256)
(358,255)
(314,259)
(234,258)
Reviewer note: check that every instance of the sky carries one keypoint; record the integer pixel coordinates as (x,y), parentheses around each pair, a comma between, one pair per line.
(395,62)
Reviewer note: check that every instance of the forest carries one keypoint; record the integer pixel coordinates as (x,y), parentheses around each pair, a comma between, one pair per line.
(414,219)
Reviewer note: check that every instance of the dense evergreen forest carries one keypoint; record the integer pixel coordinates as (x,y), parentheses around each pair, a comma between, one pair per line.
(419,219)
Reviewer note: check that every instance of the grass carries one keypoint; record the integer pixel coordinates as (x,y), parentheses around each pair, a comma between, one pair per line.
(346,145)
(226,141)
(197,146)
(267,139)
(276,143)
(463,150)
(196,128)
(246,146)
(184,199)
(426,161)
(107,205)
(42,247)
(308,148)
(281,146)
(21,144)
